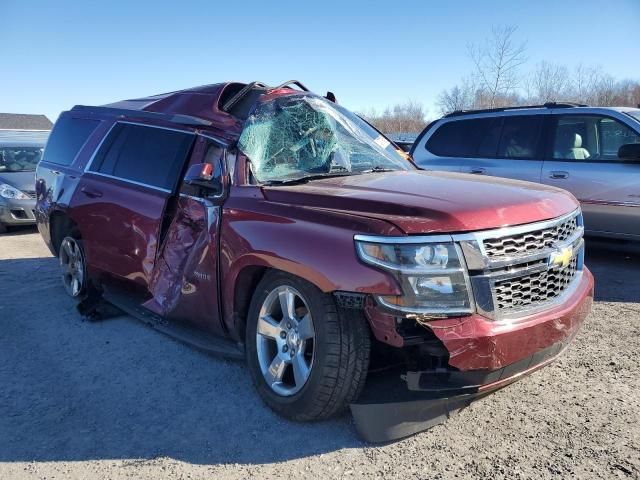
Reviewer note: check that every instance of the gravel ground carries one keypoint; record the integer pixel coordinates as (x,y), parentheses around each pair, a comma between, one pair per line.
(116,399)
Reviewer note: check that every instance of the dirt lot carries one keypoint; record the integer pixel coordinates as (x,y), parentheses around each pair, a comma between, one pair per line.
(118,400)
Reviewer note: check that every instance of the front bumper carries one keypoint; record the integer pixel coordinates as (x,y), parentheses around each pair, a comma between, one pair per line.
(17,212)
(484,356)
(496,349)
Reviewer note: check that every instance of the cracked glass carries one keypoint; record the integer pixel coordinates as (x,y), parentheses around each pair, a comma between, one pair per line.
(293,137)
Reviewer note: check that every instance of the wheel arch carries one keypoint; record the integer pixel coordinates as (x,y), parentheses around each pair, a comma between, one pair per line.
(245,277)
(61,224)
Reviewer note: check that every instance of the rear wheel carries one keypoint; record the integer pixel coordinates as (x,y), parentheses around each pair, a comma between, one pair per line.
(73,266)
(307,359)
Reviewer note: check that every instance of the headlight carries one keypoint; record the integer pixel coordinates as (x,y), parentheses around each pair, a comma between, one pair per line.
(433,276)
(7,191)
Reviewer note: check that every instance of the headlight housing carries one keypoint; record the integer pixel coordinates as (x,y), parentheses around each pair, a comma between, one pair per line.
(432,275)
(7,191)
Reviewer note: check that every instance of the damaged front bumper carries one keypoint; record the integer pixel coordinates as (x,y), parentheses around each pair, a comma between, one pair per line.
(483,356)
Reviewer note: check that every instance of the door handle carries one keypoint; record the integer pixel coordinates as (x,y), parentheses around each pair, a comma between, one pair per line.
(91,193)
(558,174)
(478,171)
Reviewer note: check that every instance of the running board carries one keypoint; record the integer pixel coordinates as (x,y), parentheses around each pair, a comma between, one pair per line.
(194,337)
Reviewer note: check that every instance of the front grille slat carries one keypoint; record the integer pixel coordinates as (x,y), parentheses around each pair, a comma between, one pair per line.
(530,242)
(534,289)
(522,269)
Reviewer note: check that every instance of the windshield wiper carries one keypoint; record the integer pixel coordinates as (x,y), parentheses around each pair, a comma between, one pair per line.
(378,168)
(306,179)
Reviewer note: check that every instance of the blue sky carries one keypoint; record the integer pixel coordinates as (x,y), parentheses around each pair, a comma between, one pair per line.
(56,54)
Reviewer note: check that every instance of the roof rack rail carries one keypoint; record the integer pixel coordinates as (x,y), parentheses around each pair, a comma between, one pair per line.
(170,117)
(246,90)
(564,104)
(517,107)
(242,93)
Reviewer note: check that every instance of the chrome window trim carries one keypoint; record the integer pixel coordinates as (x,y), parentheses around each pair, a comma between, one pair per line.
(97,149)
(133,182)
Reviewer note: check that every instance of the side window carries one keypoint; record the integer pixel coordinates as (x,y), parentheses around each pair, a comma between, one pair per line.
(520,137)
(466,138)
(67,138)
(148,155)
(613,134)
(590,137)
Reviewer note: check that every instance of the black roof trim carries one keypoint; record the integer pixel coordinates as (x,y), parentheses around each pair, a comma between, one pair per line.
(458,113)
(124,112)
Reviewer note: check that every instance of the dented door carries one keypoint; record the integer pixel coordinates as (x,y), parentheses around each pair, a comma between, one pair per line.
(184,283)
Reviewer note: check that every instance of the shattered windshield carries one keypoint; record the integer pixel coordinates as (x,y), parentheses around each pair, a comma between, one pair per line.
(19,159)
(294,137)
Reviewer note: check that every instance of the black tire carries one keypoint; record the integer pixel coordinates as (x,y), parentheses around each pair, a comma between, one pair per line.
(3,228)
(341,353)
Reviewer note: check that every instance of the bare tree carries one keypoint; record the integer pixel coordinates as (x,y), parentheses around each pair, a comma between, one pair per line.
(549,82)
(459,97)
(585,83)
(408,117)
(497,64)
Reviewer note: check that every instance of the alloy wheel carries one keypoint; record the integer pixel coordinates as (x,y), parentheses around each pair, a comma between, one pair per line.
(72,265)
(285,338)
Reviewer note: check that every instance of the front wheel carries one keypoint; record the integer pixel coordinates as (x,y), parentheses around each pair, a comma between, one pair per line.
(308,360)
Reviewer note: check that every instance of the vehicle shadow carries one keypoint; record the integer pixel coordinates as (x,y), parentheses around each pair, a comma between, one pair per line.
(20,230)
(117,389)
(616,269)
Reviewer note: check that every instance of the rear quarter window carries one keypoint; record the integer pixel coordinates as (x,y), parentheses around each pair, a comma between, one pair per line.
(67,138)
(466,138)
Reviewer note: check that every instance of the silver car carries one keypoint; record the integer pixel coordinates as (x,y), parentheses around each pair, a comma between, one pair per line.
(594,152)
(20,152)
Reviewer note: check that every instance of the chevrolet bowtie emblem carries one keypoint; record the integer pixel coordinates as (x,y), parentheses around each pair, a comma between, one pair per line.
(562,257)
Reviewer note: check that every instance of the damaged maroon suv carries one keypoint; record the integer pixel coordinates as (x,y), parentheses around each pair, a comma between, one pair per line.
(273,224)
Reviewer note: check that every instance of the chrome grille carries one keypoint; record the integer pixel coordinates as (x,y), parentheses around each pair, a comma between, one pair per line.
(30,193)
(516,271)
(530,242)
(534,289)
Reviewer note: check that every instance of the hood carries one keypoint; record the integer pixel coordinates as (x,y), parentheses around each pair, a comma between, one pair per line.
(25,181)
(429,202)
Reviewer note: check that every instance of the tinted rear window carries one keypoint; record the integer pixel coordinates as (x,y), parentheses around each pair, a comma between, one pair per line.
(520,137)
(466,138)
(148,155)
(67,138)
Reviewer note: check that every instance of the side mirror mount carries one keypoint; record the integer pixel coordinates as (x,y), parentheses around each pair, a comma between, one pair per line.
(205,177)
(630,151)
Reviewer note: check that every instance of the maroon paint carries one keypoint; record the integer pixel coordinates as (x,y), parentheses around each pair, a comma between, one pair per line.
(186,271)
(306,230)
(475,343)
